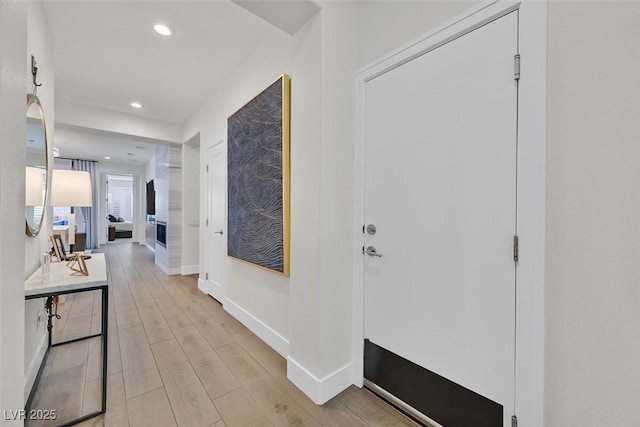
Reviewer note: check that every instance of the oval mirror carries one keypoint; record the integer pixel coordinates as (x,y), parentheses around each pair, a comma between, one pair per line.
(37,166)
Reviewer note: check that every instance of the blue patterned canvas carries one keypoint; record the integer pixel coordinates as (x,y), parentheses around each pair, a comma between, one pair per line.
(255,180)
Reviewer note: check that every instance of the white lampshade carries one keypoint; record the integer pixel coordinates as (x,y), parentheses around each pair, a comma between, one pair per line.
(71,188)
(34,186)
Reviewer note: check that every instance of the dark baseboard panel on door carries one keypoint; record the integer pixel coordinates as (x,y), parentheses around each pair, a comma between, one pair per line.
(438,398)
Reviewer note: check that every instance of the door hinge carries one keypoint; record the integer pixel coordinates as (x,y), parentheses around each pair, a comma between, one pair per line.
(207,168)
(206,222)
(206,276)
(363,229)
(514,421)
(516,248)
(516,67)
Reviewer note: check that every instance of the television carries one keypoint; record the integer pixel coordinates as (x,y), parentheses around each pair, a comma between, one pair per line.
(151,198)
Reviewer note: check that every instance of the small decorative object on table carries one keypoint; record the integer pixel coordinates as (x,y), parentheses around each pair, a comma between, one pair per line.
(76,263)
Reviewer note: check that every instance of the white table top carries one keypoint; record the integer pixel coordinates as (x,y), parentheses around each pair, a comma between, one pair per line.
(61,278)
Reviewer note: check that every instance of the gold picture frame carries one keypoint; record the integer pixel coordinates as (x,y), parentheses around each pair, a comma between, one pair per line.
(58,247)
(258,162)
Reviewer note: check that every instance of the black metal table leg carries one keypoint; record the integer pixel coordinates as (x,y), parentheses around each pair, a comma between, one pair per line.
(104,341)
(105,326)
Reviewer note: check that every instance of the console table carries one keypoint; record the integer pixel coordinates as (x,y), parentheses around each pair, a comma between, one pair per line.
(62,281)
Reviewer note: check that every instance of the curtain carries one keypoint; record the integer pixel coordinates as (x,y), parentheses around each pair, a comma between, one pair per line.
(90,214)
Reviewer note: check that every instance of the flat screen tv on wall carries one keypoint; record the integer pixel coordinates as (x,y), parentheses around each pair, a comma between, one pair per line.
(151,198)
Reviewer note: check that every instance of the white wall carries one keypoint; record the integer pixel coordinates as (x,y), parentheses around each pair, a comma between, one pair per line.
(261,293)
(150,169)
(337,194)
(321,293)
(13,46)
(39,44)
(161,184)
(150,233)
(592,347)
(168,187)
(112,121)
(384,26)
(138,173)
(306,143)
(191,206)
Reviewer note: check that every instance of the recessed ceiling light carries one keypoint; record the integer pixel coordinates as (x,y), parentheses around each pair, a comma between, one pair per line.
(163,29)
(107,158)
(129,154)
(140,147)
(136,105)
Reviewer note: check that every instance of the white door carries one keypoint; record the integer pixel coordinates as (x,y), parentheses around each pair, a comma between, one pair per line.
(440,188)
(215,222)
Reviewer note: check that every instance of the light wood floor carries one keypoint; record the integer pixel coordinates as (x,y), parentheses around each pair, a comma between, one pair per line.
(177,358)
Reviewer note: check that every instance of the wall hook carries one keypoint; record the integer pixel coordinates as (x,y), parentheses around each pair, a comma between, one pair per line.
(34,72)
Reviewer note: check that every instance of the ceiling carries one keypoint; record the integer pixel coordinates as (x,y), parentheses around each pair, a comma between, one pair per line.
(90,144)
(107,55)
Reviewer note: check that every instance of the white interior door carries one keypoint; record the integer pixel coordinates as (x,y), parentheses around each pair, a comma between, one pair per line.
(215,221)
(440,187)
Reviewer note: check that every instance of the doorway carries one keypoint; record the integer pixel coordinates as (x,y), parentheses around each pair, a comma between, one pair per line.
(215,221)
(120,208)
(440,193)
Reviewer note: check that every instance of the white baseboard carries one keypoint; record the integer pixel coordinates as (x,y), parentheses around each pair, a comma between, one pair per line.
(190,269)
(319,390)
(266,334)
(211,288)
(34,366)
(149,246)
(169,271)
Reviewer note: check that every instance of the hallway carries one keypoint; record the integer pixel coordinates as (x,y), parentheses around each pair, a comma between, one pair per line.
(176,357)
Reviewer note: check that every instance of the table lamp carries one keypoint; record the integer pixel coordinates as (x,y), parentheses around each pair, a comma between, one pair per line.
(34,186)
(34,199)
(73,189)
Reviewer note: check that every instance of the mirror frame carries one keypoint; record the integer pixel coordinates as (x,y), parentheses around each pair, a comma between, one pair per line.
(34,231)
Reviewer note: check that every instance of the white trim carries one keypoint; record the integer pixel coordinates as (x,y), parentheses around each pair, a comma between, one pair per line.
(149,246)
(211,288)
(170,271)
(531,190)
(532,134)
(255,325)
(189,269)
(217,290)
(318,390)
(440,35)
(34,366)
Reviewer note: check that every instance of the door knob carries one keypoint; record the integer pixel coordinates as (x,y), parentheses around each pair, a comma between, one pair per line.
(371,251)
(219,232)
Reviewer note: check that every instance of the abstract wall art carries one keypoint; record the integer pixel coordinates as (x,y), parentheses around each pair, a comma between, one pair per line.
(258,179)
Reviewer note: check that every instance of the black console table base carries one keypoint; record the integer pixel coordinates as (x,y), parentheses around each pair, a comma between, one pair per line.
(104,290)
